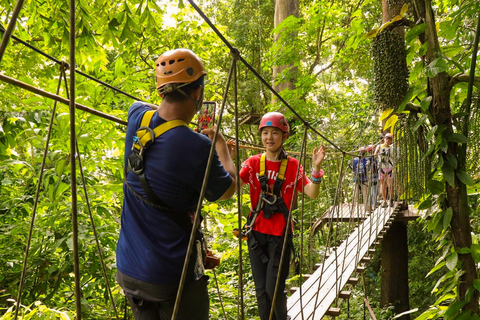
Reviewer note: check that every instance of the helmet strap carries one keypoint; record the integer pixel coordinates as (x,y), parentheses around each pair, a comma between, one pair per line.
(198,103)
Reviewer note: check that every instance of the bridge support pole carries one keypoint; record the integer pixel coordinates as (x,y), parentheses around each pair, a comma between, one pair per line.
(395,269)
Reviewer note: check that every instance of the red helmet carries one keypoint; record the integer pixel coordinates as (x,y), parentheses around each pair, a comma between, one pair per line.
(205,111)
(274,119)
(177,68)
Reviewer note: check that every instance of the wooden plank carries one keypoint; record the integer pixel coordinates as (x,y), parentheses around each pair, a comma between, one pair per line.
(333,312)
(343,212)
(345,294)
(321,289)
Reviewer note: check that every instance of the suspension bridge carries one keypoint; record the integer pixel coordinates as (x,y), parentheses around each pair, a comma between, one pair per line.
(318,295)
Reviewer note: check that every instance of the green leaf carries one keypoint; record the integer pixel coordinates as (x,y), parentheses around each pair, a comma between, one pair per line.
(432,132)
(454,309)
(447,217)
(423,49)
(426,103)
(448,174)
(428,314)
(59,167)
(435,67)
(464,177)
(425,204)
(475,251)
(437,267)
(460,114)
(406,99)
(452,160)
(457,137)
(413,33)
(419,122)
(476,284)
(435,187)
(452,260)
(463,250)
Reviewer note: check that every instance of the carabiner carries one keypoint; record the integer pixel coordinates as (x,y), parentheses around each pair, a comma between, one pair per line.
(270,202)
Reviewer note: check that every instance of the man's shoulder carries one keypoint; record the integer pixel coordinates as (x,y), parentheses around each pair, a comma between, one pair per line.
(136,108)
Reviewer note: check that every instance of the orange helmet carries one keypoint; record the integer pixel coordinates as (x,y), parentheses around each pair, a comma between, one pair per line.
(177,68)
(274,119)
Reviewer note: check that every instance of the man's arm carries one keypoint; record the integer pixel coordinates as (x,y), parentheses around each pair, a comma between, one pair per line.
(225,160)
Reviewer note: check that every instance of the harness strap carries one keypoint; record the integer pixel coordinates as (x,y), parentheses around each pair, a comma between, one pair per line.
(272,199)
(145,136)
(253,243)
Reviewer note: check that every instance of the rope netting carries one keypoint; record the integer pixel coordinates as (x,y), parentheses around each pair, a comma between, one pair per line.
(345,210)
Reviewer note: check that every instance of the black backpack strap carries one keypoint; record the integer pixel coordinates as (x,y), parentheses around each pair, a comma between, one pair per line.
(145,137)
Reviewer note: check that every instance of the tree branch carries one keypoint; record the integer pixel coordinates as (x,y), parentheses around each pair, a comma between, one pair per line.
(462,77)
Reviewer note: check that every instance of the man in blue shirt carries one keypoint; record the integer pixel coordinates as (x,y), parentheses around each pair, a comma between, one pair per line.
(154,236)
(360,178)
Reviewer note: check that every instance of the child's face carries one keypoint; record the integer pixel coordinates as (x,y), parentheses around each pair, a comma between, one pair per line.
(272,138)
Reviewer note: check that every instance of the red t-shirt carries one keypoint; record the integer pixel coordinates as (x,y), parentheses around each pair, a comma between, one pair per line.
(249,173)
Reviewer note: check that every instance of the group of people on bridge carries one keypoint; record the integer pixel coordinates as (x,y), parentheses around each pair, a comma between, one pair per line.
(165,164)
(373,174)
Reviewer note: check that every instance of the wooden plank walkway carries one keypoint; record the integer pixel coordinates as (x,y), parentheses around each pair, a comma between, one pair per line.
(320,290)
(343,212)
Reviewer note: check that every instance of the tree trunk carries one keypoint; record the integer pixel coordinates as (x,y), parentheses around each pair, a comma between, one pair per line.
(456,195)
(395,269)
(284,9)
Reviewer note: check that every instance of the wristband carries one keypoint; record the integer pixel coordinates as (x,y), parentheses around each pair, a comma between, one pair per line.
(317,174)
(315,180)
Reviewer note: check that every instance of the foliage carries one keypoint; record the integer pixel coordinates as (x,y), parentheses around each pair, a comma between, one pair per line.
(118,43)
(440,144)
(37,311)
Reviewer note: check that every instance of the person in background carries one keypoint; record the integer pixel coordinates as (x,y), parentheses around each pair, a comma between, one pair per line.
(384,154)
(204,120)
(272,179)
(360,178)
(372,175)
(163,180)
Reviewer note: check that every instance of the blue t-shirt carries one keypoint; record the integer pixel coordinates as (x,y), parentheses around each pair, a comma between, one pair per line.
(360,169)
(151,246)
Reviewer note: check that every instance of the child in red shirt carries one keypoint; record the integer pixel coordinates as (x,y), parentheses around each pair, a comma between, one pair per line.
(267,222)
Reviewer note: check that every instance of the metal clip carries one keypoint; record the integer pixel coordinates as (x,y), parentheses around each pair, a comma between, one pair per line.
(270,202)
